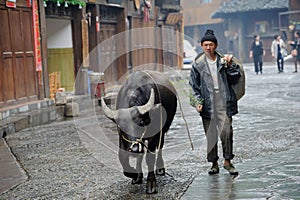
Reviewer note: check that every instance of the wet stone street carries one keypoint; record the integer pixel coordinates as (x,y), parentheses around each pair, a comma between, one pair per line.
(78,158)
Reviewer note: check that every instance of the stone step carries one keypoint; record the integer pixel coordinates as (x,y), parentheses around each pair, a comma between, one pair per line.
(31,114)
(9,111)
(35,117)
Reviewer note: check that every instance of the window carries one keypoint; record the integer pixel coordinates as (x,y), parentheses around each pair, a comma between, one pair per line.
(261,27)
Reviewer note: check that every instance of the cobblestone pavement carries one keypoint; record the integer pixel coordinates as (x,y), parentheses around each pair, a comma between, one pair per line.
(77,159)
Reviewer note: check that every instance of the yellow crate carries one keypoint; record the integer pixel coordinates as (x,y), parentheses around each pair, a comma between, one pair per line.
(54,83)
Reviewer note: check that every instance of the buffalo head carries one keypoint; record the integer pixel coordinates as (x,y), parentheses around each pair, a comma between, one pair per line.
(133,120)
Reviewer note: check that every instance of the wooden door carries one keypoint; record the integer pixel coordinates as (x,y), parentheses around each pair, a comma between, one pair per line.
(108,51)
(17,69)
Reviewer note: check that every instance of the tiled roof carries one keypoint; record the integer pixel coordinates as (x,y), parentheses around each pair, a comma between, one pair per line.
(237,6)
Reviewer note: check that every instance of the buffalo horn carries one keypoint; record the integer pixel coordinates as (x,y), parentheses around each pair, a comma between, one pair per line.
(147,107)
(107,111)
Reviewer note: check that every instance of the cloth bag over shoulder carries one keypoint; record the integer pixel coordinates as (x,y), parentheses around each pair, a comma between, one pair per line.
(239,87)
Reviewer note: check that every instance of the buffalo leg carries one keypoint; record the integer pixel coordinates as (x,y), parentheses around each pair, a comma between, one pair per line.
(139,170)
(160,169)
(151,186)
(127,169)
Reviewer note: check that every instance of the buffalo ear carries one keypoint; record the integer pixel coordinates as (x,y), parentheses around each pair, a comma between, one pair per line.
(146,119)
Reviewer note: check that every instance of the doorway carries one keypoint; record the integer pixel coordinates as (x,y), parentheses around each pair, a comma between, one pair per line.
(60,51)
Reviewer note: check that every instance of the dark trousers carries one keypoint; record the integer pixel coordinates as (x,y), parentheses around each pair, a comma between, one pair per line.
(296,60)
(219,125)
(280,62)
(258,63)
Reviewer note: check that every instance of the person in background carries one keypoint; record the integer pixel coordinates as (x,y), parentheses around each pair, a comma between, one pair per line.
(211,78)
(257,52)
(296,49)
(277,50)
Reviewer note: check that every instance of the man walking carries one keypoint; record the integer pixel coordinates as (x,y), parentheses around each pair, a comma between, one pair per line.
(211,79)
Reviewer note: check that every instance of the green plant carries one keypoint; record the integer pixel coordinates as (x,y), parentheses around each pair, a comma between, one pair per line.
(66,3)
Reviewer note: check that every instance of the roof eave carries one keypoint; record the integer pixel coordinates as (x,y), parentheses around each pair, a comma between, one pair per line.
(219,15)
(227,14)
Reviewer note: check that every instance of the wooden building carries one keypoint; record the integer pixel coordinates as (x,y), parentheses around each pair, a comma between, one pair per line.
(244,19)
(293,16)
(41,37)
(128,34)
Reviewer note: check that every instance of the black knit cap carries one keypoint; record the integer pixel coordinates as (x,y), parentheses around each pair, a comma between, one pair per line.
(209,36)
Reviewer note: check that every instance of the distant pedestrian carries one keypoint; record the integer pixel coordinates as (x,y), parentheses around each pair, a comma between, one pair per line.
(257,52)
(277,50)
(211,79)
(296,49)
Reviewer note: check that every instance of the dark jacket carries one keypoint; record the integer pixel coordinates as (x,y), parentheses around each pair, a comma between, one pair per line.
(257,50)
(202,87)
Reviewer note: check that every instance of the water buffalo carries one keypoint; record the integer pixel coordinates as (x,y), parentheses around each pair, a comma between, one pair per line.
(145,108)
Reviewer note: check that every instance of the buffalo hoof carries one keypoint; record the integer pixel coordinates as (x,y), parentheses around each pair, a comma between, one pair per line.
(138,180)
(161,172)
(151,187)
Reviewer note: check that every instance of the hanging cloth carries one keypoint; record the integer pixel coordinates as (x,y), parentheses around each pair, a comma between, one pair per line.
(147,9)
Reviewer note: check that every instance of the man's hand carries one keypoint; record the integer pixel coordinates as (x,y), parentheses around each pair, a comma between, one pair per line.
(228,59)
(199,108)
